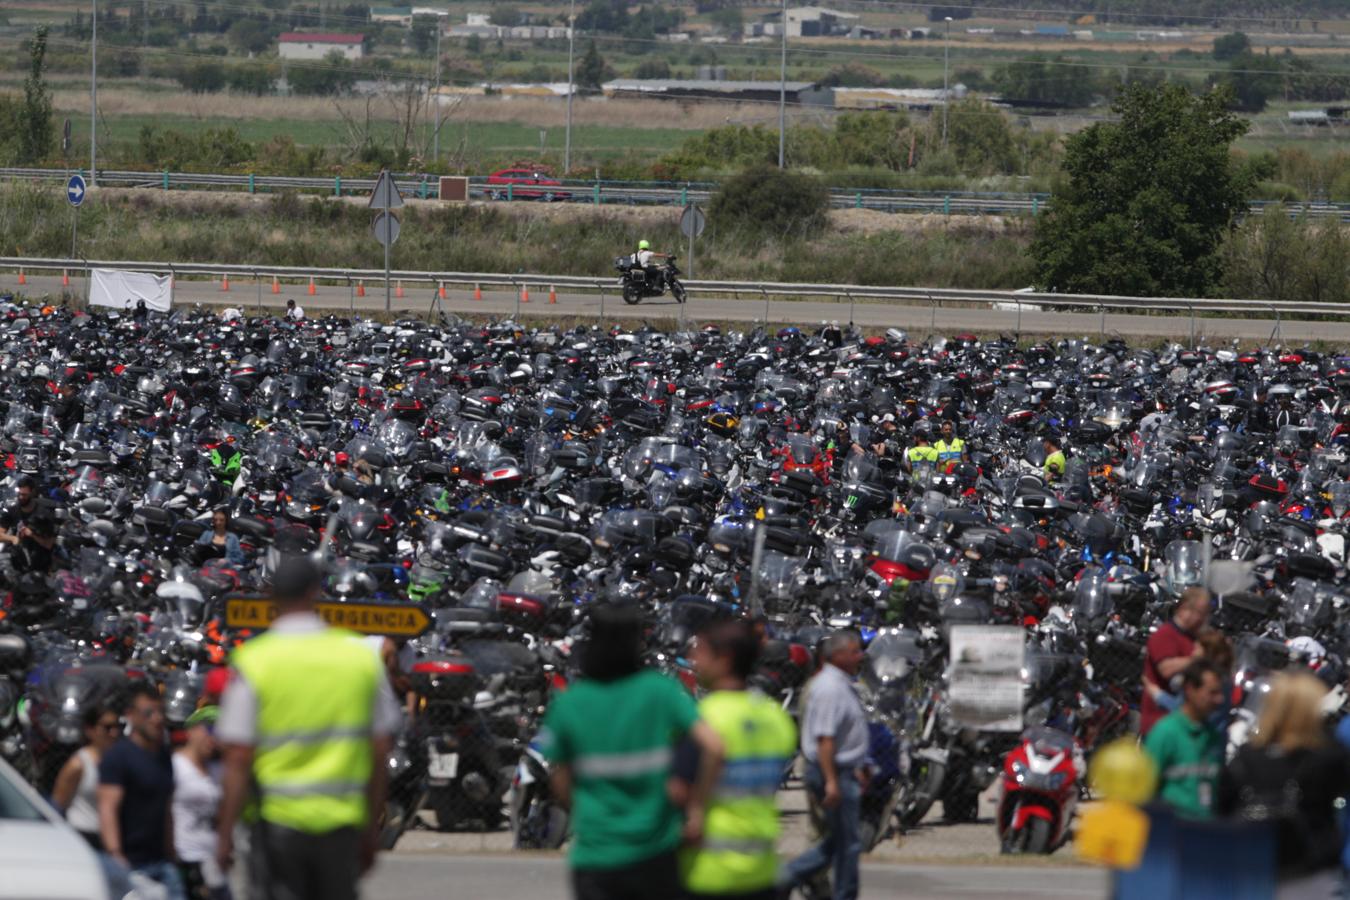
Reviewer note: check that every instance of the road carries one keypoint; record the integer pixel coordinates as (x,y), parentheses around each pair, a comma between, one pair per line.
(919,319)
(407,876)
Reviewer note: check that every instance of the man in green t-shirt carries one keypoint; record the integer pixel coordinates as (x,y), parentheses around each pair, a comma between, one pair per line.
(1187,750)
(611,738)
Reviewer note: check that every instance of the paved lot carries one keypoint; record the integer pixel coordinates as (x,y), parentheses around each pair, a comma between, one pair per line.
(538,877)
(918,319)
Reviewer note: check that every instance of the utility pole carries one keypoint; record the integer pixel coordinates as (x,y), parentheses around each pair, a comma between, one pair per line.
(571,89)
(782,86)
(436,99)
(946,94)
(93,97)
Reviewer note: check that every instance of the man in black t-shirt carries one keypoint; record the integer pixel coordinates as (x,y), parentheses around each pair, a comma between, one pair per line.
(135,794)
(13,519)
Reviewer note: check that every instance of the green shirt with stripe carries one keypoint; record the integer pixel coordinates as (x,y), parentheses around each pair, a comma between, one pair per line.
(618,738)
(1189,756)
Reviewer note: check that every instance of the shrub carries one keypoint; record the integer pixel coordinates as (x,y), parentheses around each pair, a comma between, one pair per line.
(771,202)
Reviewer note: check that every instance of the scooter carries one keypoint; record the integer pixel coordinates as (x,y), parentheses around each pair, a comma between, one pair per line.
(1039,792)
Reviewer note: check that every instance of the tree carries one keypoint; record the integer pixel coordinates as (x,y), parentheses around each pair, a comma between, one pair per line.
(729,20)
(771,202)
(1148,198)
(34,121)
(202,77)
(592,71)
(1253,81)
(249,36)
(334,76)
(1276,257)
(1057,82)
(1231,46)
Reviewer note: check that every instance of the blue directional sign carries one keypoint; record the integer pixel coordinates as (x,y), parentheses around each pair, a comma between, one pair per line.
(75,188)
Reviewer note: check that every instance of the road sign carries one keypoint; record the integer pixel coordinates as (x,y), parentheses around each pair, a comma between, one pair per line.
(385,227)
(75,189)
(385,195)
(394,619)
(692,221)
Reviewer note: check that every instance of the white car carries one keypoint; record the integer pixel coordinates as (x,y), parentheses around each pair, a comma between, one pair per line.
(42,857)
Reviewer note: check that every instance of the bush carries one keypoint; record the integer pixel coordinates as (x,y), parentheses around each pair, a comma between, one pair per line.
(771,202)
(1277,191)
(202,78)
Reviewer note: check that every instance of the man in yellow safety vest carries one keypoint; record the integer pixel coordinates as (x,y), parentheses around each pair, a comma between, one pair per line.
(736,855)
(950,448)
(307,721)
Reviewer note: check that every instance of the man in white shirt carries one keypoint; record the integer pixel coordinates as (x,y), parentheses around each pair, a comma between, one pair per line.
(293,312)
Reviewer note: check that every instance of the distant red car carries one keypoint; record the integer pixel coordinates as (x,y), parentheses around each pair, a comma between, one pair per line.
(525,184)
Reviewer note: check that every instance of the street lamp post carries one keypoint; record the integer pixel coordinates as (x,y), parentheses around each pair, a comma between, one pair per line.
(571,89)
(436,99)
(782,85)
(946,93)
(93,97)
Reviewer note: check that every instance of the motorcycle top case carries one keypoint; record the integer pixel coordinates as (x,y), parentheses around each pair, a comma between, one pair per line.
(448,677)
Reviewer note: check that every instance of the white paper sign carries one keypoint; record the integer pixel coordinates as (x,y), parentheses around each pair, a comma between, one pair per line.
(986,677)
(123,290)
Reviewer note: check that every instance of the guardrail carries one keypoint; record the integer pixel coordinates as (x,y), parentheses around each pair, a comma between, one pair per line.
(851,293)
(601,192)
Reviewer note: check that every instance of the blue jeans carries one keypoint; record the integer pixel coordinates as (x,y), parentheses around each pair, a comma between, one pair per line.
(840,847)
(167,875)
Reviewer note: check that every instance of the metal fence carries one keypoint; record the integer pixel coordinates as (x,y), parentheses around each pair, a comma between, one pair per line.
(601,192)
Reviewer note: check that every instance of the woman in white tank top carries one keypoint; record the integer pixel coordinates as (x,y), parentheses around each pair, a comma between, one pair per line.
(76,789)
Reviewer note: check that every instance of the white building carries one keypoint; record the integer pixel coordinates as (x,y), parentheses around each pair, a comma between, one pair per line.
(305,45)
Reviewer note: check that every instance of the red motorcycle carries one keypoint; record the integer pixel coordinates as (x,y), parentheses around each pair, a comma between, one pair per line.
(1040,792)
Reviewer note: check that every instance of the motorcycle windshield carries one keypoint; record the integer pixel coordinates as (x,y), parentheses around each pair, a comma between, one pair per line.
(678,457)
(398,437)
(802,450)
(893,654)
(1183,562)
(1048,742)
(1340,498)
(778,573)
(945,582)
(1091,601)
(891,545)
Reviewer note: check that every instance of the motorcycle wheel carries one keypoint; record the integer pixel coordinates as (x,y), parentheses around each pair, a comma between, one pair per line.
(395,823)
(631,295)
(677,291)
(961,806)
(918,794)
(1038,836)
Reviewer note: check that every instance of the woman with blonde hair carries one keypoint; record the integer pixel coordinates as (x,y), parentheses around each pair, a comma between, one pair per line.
(1292,776)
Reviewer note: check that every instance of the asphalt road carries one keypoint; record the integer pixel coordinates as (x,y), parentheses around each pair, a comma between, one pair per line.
(918,319)
(402,876)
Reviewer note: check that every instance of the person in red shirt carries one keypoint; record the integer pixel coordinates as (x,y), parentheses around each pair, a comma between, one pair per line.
(1170,649)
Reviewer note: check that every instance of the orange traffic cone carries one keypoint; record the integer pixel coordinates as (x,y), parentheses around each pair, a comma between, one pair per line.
(552,294)
(398,288)
(360,288)
(65,278)
(23,279)
(440,291)
(225,284)
(312,289)
(276,285)
(524,293)
(478,292)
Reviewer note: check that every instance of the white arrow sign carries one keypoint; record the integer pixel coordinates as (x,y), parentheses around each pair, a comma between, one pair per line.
(385,195)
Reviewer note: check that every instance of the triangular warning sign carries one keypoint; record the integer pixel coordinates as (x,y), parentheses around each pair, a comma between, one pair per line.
(385,195)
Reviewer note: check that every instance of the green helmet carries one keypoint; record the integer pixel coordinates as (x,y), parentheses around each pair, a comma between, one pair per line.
(644,245)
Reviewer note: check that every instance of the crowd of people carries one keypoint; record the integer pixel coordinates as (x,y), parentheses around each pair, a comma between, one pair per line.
(1293,773)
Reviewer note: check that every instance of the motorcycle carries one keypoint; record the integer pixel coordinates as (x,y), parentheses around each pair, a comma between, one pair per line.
(638,282)
(1039,792)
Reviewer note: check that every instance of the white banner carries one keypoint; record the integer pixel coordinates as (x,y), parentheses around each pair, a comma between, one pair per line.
(986,677)
(123,290)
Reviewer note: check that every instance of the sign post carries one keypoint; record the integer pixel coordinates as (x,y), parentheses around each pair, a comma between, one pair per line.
(692,223)
(75,191)
(385,198)
(392,619)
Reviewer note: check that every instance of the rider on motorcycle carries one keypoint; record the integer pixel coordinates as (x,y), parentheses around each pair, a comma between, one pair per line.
(644,257)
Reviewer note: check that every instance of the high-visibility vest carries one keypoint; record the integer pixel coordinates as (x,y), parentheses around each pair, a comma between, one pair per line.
(1054,465)
(918,455)
(312,758)
(950,452)
(740,827)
